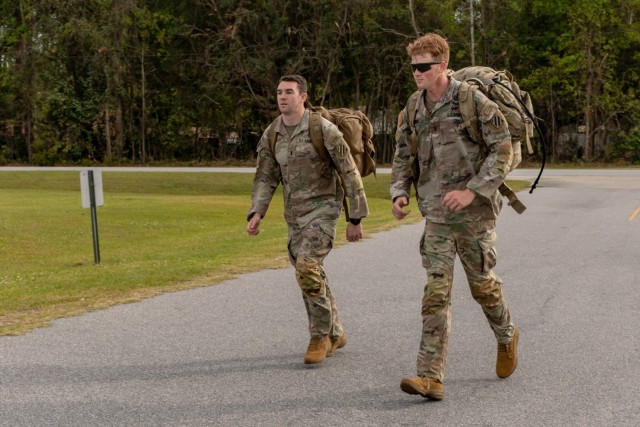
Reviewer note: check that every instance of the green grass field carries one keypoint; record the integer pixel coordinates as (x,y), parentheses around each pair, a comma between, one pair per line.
(158,232)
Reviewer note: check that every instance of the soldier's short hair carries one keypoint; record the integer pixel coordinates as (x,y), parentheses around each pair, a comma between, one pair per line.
(431,43)
(302,83)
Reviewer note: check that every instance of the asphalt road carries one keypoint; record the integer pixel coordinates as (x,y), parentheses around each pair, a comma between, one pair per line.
(231,354)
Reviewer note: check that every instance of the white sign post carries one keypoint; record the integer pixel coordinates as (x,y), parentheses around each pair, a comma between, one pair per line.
(92,196)
(85,188)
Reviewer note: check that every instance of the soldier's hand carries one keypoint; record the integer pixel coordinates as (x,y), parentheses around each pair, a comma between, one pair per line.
(354,232)
(458,199)
(398,204)
(253,226)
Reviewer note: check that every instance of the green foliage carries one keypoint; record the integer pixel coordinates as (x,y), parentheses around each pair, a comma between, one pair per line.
(625,148)
(127,80)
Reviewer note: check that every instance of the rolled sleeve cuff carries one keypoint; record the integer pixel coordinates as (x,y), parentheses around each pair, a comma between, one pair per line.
(396,194)
(483,188)
(254,211)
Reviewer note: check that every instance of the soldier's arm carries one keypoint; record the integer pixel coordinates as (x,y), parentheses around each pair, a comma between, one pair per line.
(266,179)
(495,133)
(401,174)
(340,153)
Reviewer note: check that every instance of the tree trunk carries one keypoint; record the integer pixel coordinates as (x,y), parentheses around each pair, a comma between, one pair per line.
(143,124)
(25,88)
(587,109)
(552,111)
(413,18)
(107,132)
(119,129)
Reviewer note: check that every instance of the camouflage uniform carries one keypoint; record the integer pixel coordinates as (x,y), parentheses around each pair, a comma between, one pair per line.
(312,204)
(450,160)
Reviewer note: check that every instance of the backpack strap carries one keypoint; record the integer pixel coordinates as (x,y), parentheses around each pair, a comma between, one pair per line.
(271,136)
(514,202)
(412,104)
(315,132)
(468,109)
(317,139)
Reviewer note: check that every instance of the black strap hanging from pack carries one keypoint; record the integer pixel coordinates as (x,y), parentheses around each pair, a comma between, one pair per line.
(543,141)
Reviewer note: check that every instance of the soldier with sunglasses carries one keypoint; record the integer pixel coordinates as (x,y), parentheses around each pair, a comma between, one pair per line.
(456,183)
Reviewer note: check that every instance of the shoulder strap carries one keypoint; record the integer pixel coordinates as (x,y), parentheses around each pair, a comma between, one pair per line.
(271,136)
(411,113)
(514,202)
(315,132)
(412,103)
(468,109)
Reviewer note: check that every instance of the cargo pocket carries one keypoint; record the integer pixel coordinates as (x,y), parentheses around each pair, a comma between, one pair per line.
(488,249)
(318,239)
(329,232)
(425,260)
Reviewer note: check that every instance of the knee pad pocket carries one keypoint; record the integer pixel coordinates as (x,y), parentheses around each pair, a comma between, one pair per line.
(310,276)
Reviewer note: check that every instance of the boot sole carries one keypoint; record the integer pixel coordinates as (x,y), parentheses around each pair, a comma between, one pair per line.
(315,361)
(429,394)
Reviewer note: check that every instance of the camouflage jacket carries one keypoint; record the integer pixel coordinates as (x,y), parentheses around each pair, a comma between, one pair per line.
(449,160)
(311,185)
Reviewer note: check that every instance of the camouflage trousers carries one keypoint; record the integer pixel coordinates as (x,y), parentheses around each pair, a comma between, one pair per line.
(308,246)
(474,243)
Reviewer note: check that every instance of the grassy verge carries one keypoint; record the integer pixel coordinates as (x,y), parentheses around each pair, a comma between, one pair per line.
(158,232)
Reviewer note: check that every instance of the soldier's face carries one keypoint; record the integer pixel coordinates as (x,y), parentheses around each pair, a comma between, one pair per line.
(290,100)
(426,70)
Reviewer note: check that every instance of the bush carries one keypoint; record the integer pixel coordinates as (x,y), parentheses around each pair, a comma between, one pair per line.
(625,148)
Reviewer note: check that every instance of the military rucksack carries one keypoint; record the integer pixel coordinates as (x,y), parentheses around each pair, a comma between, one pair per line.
(499,87)
(514,103)
(356,130)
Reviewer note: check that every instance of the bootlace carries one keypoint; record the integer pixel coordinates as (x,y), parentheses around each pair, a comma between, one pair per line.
(316,344)
(503,349)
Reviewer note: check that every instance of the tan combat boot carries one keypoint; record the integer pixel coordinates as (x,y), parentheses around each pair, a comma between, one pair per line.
(336,343)
(424,386)
(317,350)
(507,357)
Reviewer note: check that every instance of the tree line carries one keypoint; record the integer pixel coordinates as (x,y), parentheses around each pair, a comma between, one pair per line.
(142,81)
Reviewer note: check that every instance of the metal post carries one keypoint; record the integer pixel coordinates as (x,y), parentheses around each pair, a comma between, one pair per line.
(94,218)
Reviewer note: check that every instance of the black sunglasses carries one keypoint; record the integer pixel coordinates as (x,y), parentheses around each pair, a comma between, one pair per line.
(423,67)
